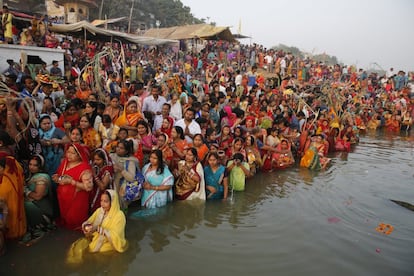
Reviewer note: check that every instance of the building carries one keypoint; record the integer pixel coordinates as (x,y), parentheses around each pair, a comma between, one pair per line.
(77,10)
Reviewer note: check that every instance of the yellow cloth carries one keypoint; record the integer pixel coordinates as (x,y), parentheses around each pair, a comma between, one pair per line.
(11,191)
(110,238)
(129,120)
(7,19)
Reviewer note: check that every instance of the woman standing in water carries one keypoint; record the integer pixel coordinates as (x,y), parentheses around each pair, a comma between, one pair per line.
(157,188)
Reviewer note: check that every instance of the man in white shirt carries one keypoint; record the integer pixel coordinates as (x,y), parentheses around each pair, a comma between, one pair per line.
(269,62)
(152,104)
(45,90)
(238,79)
(283,67)
(189,125)
(176,110)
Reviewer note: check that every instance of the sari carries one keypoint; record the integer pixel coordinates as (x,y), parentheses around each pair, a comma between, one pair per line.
(111,236)
(91,139)
(225,142)
(129,120)
(67,118)
(148,141)
(185,187)
(215,180)
(181,145)
(99,174)
(39,213)
(11,191)
(283,160)
(230,118)
(202,152)
(53,153)
(168,130)
(253,158)
(74,203)
(155,198)
(310,159)
(167,152)
(83,94)
(113,113)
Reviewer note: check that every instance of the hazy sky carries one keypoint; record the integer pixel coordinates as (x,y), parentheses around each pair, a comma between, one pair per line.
(360,32)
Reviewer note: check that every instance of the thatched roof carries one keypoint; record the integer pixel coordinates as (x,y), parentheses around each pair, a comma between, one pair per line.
(203,31)
(92,32)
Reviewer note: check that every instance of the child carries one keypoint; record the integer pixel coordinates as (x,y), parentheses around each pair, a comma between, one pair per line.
(239,170)
(107,130)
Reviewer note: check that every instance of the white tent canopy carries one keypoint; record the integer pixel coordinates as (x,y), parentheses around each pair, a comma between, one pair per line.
(86,29)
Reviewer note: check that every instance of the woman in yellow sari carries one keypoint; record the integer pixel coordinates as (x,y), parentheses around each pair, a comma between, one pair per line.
(104,230)
(11,189)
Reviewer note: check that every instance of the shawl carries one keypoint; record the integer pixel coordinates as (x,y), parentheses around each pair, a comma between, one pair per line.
(46,134)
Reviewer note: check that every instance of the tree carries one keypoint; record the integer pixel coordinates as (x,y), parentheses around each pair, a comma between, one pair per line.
(168,12)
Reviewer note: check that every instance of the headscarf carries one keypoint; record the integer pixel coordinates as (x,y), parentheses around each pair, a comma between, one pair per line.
(46,134)
(130,119)
(252,118)
(82,151)
(166,140)
(108,165)
(168,130)
(112,223)
(231,117)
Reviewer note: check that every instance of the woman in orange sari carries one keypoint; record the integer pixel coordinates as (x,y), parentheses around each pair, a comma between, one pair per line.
(90,136)
(11,189)
(131,114)
(178,145)
(392,124)
(163,144)
(201,147)
(75,179)
(113,109)
(83,91)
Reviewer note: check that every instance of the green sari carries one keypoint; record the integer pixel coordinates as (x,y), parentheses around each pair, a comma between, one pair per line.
(39,213)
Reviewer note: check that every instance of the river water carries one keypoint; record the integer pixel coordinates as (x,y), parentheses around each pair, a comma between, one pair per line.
(291,222)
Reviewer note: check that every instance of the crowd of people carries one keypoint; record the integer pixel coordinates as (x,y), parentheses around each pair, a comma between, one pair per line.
(33,33)
(153,125)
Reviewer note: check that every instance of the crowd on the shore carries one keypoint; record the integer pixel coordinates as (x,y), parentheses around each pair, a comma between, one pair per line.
(127,123)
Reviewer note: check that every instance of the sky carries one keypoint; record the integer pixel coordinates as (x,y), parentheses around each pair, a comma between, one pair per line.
(366,33)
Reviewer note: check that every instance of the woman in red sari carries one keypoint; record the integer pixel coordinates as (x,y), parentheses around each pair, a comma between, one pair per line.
(70,118)
(103,175)
(254,108)
(284,157)
(75,179)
